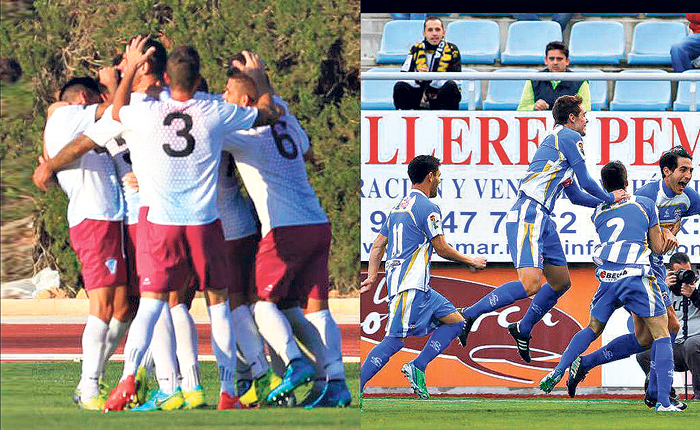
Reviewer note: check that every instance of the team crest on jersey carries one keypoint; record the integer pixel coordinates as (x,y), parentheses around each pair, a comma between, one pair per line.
(567,182)
(111,265)
(580,147)
(434,221)
(677,214)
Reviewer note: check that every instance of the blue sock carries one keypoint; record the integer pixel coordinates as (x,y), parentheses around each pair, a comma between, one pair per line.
(543,302)
(578,344)
(664,369)
(504,295)
(651,387)
(440,339)
(673,338)
(618,348)
(378,357)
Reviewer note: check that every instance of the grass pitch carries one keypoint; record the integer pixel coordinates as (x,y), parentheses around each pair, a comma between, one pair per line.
(38,396)
(545,413)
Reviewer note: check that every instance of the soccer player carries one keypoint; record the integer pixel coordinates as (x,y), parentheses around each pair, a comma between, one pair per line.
(626,278)
(409,235)
(95,213)
(180,186)
(674,201)
(533,242)
(292,258)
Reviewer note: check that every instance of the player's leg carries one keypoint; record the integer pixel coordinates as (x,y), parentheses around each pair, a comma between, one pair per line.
(186,340)
(662,360)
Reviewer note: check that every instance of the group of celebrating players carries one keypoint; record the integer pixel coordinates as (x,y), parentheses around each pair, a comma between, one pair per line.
(148,159)
(635,232)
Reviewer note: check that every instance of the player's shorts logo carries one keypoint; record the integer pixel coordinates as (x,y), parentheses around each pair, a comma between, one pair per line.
(612,275)
(435,345)
(111,265)
(377,361)
(493,299)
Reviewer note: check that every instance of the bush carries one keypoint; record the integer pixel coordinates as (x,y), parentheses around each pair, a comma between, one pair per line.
(311,48)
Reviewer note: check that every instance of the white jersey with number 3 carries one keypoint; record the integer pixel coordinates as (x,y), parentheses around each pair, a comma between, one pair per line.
(271,163)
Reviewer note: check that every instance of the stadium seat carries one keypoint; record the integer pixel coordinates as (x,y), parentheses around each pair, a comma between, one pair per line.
(397,39)
(663,15)
(505,95)
(652,40)
(641,95)
(464,103)
(479,41)
(597,42)
(682,102)
(610,14)
(485,14)
(378,94)
(599,90)
(527,39)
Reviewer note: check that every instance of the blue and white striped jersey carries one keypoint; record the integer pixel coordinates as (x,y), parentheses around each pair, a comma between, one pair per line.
(622,228)
(552,165)
(409,228)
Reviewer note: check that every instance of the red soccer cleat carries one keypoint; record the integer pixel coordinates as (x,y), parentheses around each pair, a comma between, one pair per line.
(226,401)
(121,395)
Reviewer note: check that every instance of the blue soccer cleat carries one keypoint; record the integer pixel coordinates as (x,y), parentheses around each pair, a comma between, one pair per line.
(298,372)
(335,395)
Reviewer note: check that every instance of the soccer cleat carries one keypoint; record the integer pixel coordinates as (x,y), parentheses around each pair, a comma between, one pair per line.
(522,342)
(263,386)
(417,379)
(246,393)
(160,401)
(670,408)
(548,382)
(335,395)
(298,372)
(576,374)
(468,323)
(227,401)
(94,403)
(194,399)
(314,394)
(121,395)
(141,382)
(104,388)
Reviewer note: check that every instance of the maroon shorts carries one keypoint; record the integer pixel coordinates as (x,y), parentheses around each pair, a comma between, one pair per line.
(167,254)
(292,261)
(241,254)
(100,248)
(132,279)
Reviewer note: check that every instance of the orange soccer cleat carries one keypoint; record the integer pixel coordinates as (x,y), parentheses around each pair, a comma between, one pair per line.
(227,401)
(121,395)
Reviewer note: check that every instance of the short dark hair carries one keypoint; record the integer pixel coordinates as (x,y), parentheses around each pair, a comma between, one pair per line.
(679,258)
(156,61)
(670,158)
(74,86)
(564,106)
(432,18)
(420,166)
(203,85)
(614,176)
(237,56)
(557,45)
(183,68)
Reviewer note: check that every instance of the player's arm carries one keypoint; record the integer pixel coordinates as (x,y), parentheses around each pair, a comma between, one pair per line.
(584,178)
(658,241)
(134,59)
(579,197)
(75,149)
(268,111)
(375,259)
(661,240)
(447,252)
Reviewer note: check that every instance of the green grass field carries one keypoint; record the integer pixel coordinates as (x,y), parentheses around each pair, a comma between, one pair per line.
(475,413)
(38,396)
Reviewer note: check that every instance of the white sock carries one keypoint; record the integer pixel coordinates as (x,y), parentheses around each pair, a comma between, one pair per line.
(332,339)
(147,362)
(93,342)
(224,344)
(308,335)
(186,340)
(163,349)
(275,329)
(141,333)
(114,336)
(249,340)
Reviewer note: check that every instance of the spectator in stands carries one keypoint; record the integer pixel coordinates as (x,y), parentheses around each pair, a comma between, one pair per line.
(433,54)
(560,18)
(540,95)
(683,53)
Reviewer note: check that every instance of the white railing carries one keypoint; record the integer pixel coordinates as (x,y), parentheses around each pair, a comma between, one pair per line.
(538,76)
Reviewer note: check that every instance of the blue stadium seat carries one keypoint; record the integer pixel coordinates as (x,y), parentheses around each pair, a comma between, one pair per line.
(397,39)
(378,94)
(479,41)
(641,95)
(464,103)
(652,40)
(610,14)
(527,39)
(663,15)
(505,95)
(682,102)
(486,14)
(599,90)
(597,42)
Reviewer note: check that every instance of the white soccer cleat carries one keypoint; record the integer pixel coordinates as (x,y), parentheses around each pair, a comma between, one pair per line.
(670,408)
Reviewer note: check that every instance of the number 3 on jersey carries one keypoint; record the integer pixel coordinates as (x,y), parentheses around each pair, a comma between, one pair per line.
(184,132)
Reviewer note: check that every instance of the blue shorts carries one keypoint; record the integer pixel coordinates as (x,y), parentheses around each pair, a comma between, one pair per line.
(631,286)
(533,240)
(416,313)
(660,274)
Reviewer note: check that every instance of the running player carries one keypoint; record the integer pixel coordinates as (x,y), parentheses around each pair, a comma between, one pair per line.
(409,235)
(626,278)
(533,242)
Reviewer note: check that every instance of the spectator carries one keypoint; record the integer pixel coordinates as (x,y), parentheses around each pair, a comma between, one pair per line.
(10,70)
(683,53)
(560,18)
(540,95)
(433,54)
(686,353)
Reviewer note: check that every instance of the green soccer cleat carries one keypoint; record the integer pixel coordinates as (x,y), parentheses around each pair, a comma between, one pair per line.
(194,399)
(94,403)
(142,391)
(160,401)
(548,382)
(263,386)
(417,379)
